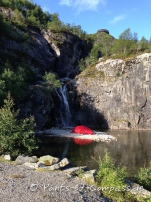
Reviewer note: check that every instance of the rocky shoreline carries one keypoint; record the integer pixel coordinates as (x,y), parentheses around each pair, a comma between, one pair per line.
(48,179)
(97,136)
(22,182)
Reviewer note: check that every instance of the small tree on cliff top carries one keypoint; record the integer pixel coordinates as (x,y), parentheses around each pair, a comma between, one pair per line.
(16,136)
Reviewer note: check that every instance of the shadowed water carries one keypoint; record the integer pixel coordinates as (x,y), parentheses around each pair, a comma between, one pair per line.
(132,149)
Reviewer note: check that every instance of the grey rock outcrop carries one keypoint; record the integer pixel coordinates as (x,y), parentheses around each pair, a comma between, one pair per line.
(90,175)
(44,162)
(74,170)
(118,95)
(41,51)
(20,160)
(68,49)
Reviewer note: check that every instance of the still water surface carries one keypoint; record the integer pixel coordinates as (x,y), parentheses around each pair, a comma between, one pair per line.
(132,149)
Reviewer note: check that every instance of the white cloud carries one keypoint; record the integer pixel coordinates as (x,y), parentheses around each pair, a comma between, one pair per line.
(88,4)
(65,2)
(117,19)
(82,5)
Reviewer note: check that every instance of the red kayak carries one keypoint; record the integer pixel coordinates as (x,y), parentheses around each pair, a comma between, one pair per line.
(82,130)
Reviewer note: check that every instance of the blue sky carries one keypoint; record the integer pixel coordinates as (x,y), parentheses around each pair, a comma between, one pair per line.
(113,15)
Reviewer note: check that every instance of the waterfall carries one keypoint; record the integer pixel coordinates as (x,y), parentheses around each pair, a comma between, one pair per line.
(65,113)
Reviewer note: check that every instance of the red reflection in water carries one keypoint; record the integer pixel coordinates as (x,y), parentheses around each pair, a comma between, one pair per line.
(81,142)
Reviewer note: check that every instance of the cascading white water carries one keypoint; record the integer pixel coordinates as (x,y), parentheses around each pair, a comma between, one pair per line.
(65,112)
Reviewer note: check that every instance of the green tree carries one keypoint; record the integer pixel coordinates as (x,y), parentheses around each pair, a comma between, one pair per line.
(142,44)
(96,52)
(125,42)
(13,82)
(18,18)
(50,81)
(16,136)
(81,64)
(55,24)
(107,42)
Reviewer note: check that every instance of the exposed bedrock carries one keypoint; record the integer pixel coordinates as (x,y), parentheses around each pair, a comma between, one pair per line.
(120,98)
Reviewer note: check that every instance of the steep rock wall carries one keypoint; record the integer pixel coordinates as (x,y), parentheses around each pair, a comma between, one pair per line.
(41,51)
(69,49)
(121,95)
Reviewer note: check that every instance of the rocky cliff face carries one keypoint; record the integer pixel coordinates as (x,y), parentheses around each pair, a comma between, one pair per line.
(61,58)
(68,49)
(117,95)
(41,51)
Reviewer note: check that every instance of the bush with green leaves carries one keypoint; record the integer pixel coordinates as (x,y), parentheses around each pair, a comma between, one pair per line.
(143,177)
(111,179)
(15,80)
(50,81)
(16,136)
(12,81)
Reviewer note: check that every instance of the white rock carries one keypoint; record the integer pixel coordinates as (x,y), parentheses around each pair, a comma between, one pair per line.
(64,162)
(48,160)
(7,157)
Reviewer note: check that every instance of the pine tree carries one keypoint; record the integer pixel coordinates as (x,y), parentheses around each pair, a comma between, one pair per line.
(16,136)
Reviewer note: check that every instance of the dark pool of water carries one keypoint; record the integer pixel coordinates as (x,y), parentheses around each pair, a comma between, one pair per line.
(132,149)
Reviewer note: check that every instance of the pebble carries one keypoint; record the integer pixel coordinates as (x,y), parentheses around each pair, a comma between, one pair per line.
(23,184)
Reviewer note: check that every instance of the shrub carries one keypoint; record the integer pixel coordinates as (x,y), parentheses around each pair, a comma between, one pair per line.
(13,82)
(143,177)
(50,81)
(82,65)
(16,136)
(111,180)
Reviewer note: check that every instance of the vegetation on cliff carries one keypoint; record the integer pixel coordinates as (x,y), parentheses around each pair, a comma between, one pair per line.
(18,19)
(24,13)
(104,45)
(50,82)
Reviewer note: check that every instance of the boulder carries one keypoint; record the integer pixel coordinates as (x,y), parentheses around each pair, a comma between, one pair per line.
(7,157)
(64,162)
(74,170)
(52,167)
(48,160)
(34,165)
(26,159)
(89,175)
(57,166)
